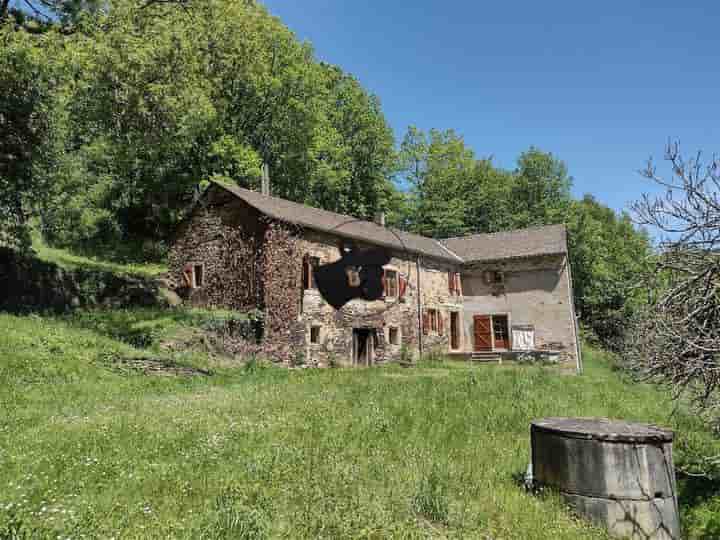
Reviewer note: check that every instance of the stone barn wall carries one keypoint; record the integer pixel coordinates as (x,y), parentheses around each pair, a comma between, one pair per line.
(225,236)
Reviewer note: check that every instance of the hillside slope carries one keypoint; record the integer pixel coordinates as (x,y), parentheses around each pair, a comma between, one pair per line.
(93,450)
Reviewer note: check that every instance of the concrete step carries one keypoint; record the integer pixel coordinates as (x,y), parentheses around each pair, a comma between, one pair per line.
(485,357)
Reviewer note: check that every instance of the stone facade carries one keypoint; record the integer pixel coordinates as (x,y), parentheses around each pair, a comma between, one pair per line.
(397,314)
(230,255)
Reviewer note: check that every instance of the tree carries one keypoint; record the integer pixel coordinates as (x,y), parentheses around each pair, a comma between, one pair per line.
(28,115)
(541,190)
(159,104)
(677,339)
(438,167)
(609,258)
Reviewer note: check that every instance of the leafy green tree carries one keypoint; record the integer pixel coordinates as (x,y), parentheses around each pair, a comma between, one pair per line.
(29,124)
(609,258)
(158,104)
(541,189)
(439,168)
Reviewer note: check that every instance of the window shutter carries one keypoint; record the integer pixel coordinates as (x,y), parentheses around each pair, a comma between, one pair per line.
(451,282)
(441,323)
(402,286)
(306,272)
(384,282)
(458,288)
(426,323)
(188,275)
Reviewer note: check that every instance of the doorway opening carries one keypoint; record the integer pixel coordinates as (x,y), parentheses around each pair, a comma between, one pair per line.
(501,336)
(454,330)
(364,343)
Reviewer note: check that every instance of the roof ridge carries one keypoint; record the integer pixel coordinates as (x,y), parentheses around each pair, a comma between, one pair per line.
(306,215)
(353,218)
(460,250)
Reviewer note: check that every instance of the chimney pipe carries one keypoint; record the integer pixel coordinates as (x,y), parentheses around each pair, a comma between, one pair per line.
(380,218)
(265,179)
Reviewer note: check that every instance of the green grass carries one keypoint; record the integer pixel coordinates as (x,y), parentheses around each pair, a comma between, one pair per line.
(87,451)
(69,260)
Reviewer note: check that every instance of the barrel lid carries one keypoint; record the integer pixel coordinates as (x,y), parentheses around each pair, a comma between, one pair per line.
(603,429)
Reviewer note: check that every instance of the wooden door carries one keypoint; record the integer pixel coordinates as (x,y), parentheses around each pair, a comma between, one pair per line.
(501,334)
(483,332)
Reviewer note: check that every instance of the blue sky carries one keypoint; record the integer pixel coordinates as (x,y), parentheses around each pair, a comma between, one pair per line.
(602,86)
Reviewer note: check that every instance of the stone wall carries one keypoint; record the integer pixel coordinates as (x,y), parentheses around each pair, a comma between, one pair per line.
(223,235)
(250,262)
(535,291)
(336,326)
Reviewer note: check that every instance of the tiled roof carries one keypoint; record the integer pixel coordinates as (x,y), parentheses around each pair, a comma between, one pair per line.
(544,240)
(341,225)
(550,239)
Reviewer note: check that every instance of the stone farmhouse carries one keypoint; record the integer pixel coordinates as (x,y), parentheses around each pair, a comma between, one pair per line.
(486,296)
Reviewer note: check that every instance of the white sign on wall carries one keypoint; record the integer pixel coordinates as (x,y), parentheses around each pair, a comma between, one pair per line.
(523,337)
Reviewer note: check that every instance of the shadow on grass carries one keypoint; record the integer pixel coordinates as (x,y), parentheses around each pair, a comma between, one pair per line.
(698,499)
(695,490)
(143,327)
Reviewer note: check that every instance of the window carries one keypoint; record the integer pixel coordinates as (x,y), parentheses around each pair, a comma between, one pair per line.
(494,277)
(314,334)
(391,284)
(394,335)
(501,336)
(430,321)
(309,266)
(199,275)
(194,275)
(454,283)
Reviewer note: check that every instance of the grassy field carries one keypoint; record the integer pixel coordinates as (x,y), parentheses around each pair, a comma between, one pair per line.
(92,449)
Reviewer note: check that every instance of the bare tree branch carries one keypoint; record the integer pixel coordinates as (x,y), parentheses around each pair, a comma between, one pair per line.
(677,340)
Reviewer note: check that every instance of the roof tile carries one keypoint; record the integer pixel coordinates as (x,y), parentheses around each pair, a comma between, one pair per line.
(545,240)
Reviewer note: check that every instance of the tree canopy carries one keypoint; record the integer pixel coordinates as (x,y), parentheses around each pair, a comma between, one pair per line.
(114,115)
(160,100)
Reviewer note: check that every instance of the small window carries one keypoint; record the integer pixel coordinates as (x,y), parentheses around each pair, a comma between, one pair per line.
(493,277)
(391,284)
(315,334)
(309,266)
(194,275)
(433,314)
(394,335)
(198,276)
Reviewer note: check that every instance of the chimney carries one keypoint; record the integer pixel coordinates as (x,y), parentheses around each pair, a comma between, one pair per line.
(265,179)
(380,218)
